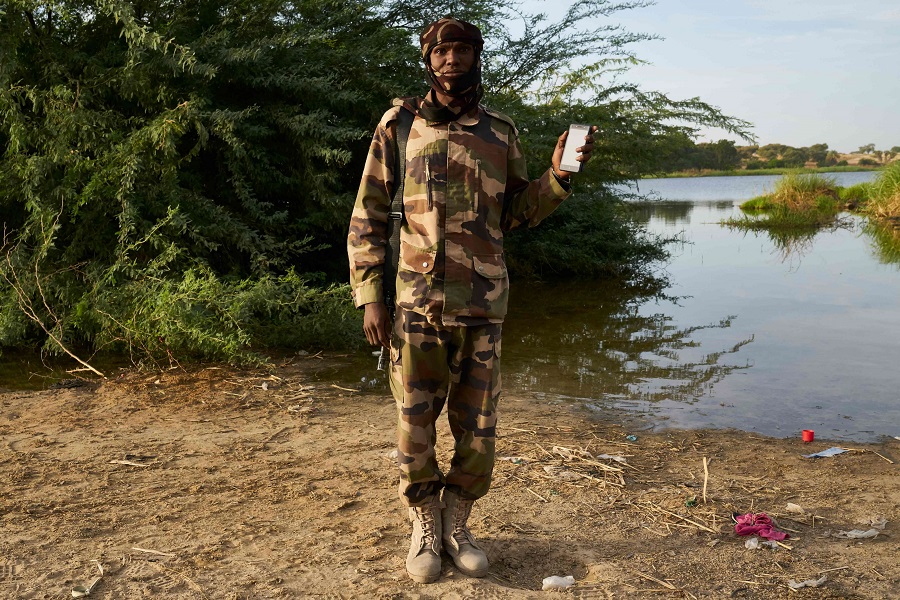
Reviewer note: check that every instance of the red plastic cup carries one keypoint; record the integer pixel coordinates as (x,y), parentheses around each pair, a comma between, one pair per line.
(808,435)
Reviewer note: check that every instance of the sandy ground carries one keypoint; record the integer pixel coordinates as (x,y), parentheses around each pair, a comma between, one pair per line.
(218,483)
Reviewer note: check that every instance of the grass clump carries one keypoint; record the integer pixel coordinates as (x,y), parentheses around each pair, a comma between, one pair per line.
(799,200)
(802,191)
(857,194)
(883,208)
(758,204)
(884,195)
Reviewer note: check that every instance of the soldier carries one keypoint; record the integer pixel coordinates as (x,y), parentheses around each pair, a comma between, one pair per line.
(465,184)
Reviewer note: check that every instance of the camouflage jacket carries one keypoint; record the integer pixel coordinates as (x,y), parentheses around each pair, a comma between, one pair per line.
(466,184)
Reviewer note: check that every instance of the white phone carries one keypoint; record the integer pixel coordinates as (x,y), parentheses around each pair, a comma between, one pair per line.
(575,140)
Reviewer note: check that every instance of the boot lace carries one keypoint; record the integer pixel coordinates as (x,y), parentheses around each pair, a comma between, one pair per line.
(461,532)
(425,516)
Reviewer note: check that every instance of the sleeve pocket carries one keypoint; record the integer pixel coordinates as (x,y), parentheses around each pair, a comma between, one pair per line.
(416,259)
(490,266)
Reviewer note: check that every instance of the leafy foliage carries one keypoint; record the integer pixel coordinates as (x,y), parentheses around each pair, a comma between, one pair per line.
(588,236)
(177,177)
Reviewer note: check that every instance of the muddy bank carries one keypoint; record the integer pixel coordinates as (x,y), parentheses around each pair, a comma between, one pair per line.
(218,483)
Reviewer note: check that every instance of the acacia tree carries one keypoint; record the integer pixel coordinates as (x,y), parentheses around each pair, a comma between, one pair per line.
(177,177)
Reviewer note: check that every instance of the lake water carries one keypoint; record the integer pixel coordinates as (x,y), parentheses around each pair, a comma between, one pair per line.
(770,335)
(741,188)
(767,335)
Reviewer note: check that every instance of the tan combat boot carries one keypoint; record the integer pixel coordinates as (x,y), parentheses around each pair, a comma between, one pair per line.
(423,563)
(458,540)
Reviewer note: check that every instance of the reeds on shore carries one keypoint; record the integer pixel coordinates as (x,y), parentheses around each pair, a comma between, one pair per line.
(884,195)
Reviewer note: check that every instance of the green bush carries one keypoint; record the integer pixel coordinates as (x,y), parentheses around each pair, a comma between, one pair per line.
(179,177)
(589,236)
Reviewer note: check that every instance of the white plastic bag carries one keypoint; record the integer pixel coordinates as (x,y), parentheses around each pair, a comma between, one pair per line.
(555,582)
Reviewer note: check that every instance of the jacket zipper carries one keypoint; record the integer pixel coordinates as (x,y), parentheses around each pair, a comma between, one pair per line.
(428,182)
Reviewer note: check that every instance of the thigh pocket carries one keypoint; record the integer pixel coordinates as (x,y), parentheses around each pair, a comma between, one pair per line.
(490,286)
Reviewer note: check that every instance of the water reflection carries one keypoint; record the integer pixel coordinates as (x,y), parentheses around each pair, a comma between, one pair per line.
(592,341)
(885,241)
(21,370)
(671,213)
(794,242)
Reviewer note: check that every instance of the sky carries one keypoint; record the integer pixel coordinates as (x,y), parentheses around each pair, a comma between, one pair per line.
(802,71)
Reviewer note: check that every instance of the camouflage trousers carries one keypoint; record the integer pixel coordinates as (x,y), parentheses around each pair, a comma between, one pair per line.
(433,365)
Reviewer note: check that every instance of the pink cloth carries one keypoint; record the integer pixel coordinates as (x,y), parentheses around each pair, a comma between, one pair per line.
(758,524)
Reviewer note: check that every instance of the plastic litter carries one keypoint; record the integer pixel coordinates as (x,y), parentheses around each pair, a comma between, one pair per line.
(826,453)
(794,508)
(393,454)
(754,544)
(561,473)
(877,525)
(555,582)
(516,460)
(81,591)
(808,583)
(631,438)
(620,459)
(856,534)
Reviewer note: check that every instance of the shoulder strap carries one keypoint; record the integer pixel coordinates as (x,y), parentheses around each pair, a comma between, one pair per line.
(502,117)
(396,216)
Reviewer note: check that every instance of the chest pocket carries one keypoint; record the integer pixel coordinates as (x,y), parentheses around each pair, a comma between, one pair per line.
(415,275)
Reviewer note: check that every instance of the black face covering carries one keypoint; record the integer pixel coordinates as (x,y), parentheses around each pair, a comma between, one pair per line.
(464,97)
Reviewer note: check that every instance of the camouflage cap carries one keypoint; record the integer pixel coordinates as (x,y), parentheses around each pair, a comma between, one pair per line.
(449,29)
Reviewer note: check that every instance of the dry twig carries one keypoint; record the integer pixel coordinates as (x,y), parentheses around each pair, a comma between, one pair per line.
(677,516)
(705,477)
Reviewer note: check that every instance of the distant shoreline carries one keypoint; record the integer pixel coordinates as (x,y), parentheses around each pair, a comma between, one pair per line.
(751,172)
